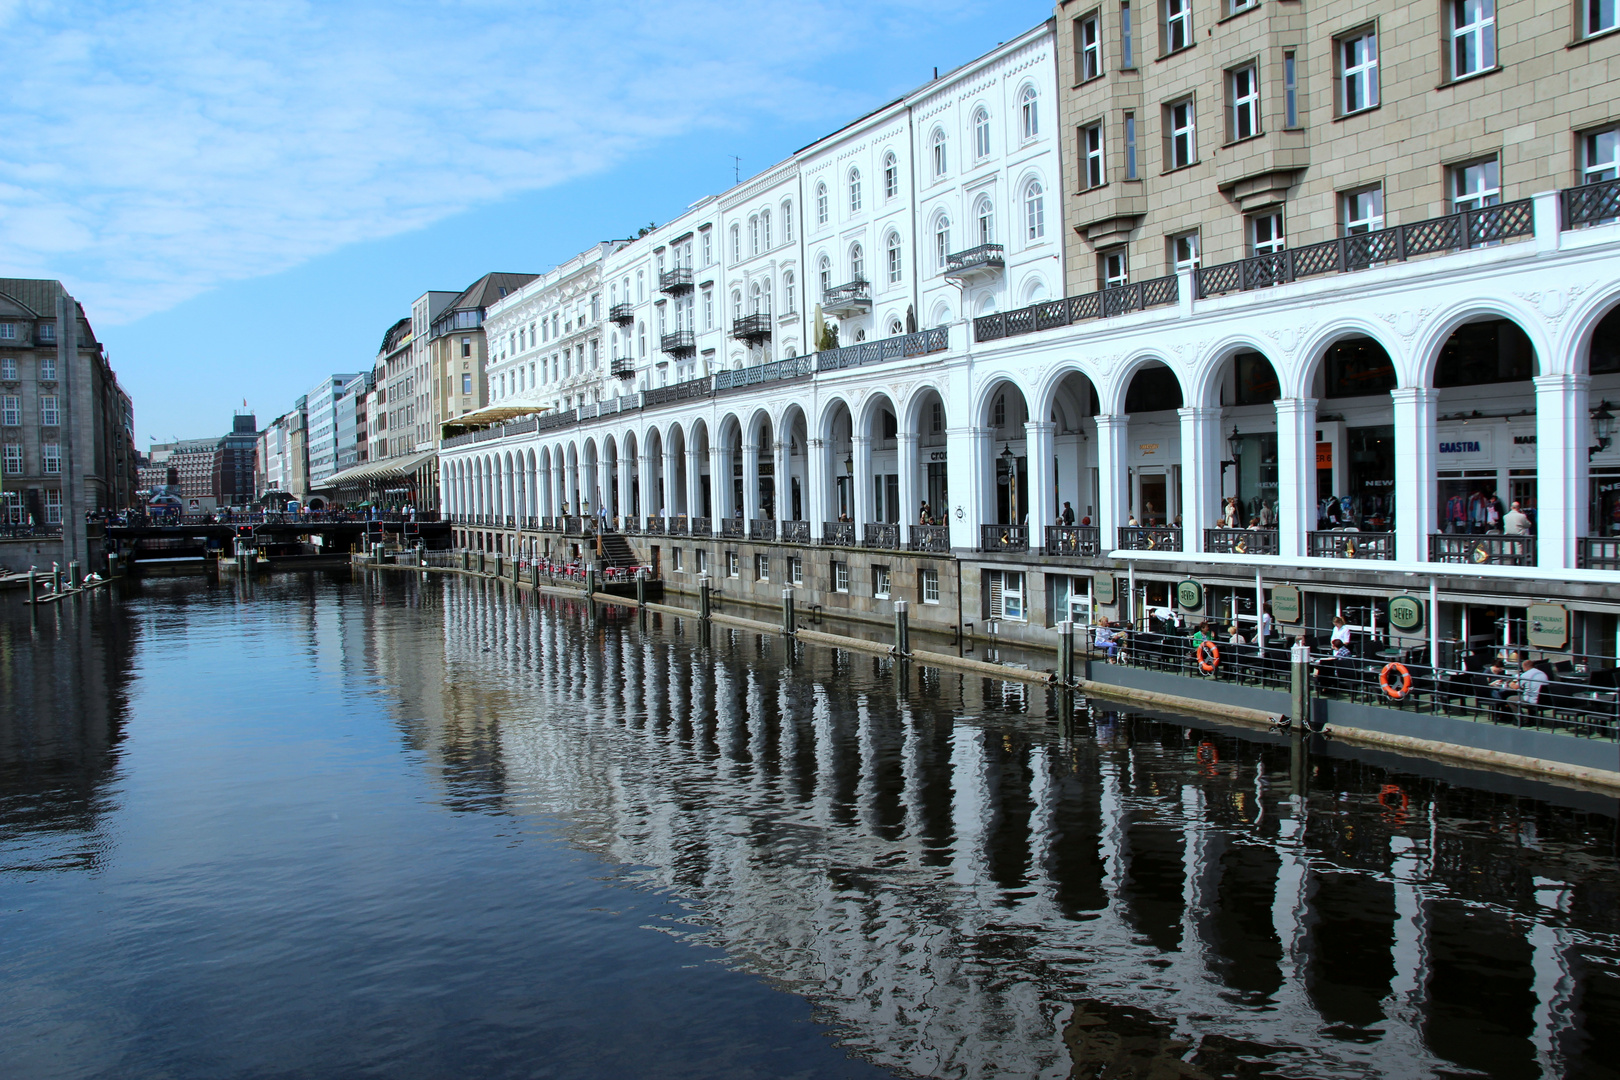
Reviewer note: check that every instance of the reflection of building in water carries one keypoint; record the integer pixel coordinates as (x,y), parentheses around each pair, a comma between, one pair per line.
(64,689)
(966,891)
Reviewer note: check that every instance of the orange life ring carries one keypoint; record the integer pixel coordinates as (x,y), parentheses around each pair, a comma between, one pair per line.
(1209,657)
(1207,754)
(1395,693)
(1399,800)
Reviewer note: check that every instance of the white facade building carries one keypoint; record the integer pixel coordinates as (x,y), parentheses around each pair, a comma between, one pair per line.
(321,407)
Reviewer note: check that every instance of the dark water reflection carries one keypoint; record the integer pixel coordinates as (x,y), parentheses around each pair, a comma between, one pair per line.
(431,828)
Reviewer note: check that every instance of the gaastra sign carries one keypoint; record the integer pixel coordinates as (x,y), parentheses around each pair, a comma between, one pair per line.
(1546,626)
(1190,595)
(1406,614)
(1460,446)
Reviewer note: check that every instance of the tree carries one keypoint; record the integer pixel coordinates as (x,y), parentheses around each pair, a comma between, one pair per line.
(829,337)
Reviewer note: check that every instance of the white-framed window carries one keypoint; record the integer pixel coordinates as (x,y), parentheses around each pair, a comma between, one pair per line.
(1088,47)
(736,303)
(1127,37)
(1475,184)
(942,241)
(47,332)
(938,148)
(891,176)
(1029,109)
(678,562)
(1181,134)
(53,508)
(762,567)
(736,250)
(732,565)
(880,582)
(701,563)
(14,459)
(708,308)
(1113,268)
(1473,36)
(821,204)
(824,273)
(1184,251)
(754,299)
(51,455)
(765,228)
(1034,211)
(1235,6)
(928,586)
(1600,160)
(1242,103)
(8,331)
(936,418)
(893,257)
(787,223)
(998,411)
(707,250)
(1266,233)
(854,191)
(896,327)
(49,410)
(981,133)
(1358,71)
(1362,211)
(795,569)
(1175,25)
(1130,146)
(641,344)
(1290,89)
(753,235)
(985,212)
(1598,16)
(840,576)
(47,368)
(789,299)
(8,368)
(1004,595)
(857,263)
(1091,152)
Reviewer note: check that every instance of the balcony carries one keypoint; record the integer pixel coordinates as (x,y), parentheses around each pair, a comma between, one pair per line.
(675,281)
(838,533)
(1003,537)
(701,526)
(930,538)
(1082,540)
(851,298)
(1103,304)
(1241,541)
(731,528)
(1591,204)
(677,526)
(654,525)
(986,259)
(793,367)
(679,343)
(622,314)
(761,529)
(880,534)
(795,532)
(1149,538)
(901,346)
(1351,545)
(623,366)
(1490,549)
(1599,553)
(752,328)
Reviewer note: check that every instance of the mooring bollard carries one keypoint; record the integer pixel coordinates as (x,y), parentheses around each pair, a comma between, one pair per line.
(641,588)
(789,625)
(56,577)
(902,629)
(590,581)
(466,559)
(1299,686)
(499,561)
(703,597)
(481,564)
(1066,652)
(73,574)
(33,587)
(534,574)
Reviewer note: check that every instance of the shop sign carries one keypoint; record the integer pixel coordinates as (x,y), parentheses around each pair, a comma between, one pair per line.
(1547,626)
(1406,614)
(1471,443)
(1148,449)
(1285,605)
(936,455)
(1190,595)
(1102,590)
(1324,455)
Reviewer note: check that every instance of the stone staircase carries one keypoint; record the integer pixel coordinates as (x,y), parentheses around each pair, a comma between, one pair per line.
(616,551)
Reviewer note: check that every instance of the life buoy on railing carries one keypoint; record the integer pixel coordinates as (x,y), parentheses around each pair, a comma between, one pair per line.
(1209,657)
(1391,797)
(1397,689)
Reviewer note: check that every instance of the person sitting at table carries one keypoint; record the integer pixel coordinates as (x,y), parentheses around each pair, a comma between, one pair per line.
(1234,637)
(1530,682)
(1501,687)
(1108,639)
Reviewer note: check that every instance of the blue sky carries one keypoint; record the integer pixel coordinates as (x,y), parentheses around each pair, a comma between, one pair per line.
(245,196)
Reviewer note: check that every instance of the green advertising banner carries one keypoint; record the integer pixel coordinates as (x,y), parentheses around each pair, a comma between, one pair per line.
(1406,614)
(1190,595)
(1285,604)
(1546,626)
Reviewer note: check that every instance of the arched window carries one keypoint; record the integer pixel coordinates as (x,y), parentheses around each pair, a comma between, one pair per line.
(857,263)
(939,151)
(891,176)
(942,240)
(787,223)
(736,304)
(854,191)
(894,268)
(788,300)
(821,204)
(896,327)
(753,299)
(765,228)
(981,133)
(1034,211)
(986,213)
(765,296)
(1031,112)
(753,235)
(736,244)
(642,340)
(824,273)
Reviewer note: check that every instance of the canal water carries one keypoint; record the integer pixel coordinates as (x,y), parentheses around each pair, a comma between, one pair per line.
(335,826)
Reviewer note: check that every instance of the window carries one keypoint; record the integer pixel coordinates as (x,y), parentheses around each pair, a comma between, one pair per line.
(1475,184)
(787,223)
(998,411)
(47,368)
(1290,90)
(1598,16)
(1175,25)
(857,263)
(1600,160)
(1242,103)
(10,410)
(13,459)
(1034,211)
(753,235)
(789,302)
(1473,36)
(736,243)
(1088,48)
(736,303)
(1235,6)
(732,564)
(708,251)
(708,308)
(981,133)
(762,568)
(678,561)
(795,570)
(48,410)
(936,418)
(1362,211)
(701,563)
(939,151)
(53,508)
(466,382)
(8,331)
(1266,233)
(928,586)
(51,454)
(1004,594)
(880,582)
(1127,45)
(892,255)
(1130,146)
(1181,136)
(765,228)
(47,332)
(821,204)
(1091,152)
(942,240)
(466,346)
(1113,268)
(896,328)
(1358,72)
(840,576)
(8,368)
(1029,108)
(984,210)
(1184,251)
(854,191)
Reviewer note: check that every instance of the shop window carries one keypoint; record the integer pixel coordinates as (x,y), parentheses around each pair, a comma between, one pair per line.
(1357,367)
(1485,352)
(1368,501)
(1004,595)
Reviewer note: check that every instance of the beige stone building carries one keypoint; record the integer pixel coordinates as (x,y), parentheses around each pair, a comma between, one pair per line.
(1206,131)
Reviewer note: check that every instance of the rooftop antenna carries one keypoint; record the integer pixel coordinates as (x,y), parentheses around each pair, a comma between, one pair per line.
(736,169)
(936,71)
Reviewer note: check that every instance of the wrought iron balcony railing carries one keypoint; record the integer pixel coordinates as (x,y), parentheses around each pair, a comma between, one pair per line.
(849,297)
(622,313)
(1103,304)
(1344,544)
(795,532)
(1003,537)
(1591,204)
(930,538)
(881,534)
(755,327)
(1149,538)
(838,533)
(1082,540)
(1493,549)
(676,280)
(1241,541)
(982,259)
(679,343)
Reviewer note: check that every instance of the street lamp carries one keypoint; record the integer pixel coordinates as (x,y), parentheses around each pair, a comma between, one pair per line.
(1602,429)
(1009,461)
(1234,446)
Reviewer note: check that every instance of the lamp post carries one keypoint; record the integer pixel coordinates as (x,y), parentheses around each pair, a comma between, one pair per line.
(1602,429)
(1234,446)
(1011,463)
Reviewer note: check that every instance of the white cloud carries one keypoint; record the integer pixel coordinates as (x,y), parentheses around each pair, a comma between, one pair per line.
(158,150)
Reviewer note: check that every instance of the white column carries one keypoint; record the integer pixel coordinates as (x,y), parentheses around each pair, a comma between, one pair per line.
(694,484)
(862,483)
(1563,431)
(905,444)
(816,482)
(1296,474)
(649,487)
(720,482)
(1113,454)
(1200,473)
(967,459)
(1038,442)
(750,452)
(783,485)
(670,504)
(1415,484)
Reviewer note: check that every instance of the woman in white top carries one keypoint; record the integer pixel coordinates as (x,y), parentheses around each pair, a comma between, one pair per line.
(1341,632)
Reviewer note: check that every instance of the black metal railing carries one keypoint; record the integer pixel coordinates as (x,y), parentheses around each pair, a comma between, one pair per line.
(1598,553)
(1341,544)
(881,534)
(731,528)
(1453,232)
(752,327)
(1103,304)
(701,526)
(983,257)
(761,529)
(622,313)
(838,533)
(793,367)
(1083,540)
(679,342)
(1150,538)
(654,525)
(892,348)
(930,538)
(1491,549)
(795,532)
(623,366)
(857,293)
(1591,204)
(675,280)
(1003,537)
(677,526)
(1241,541)
(685,390)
